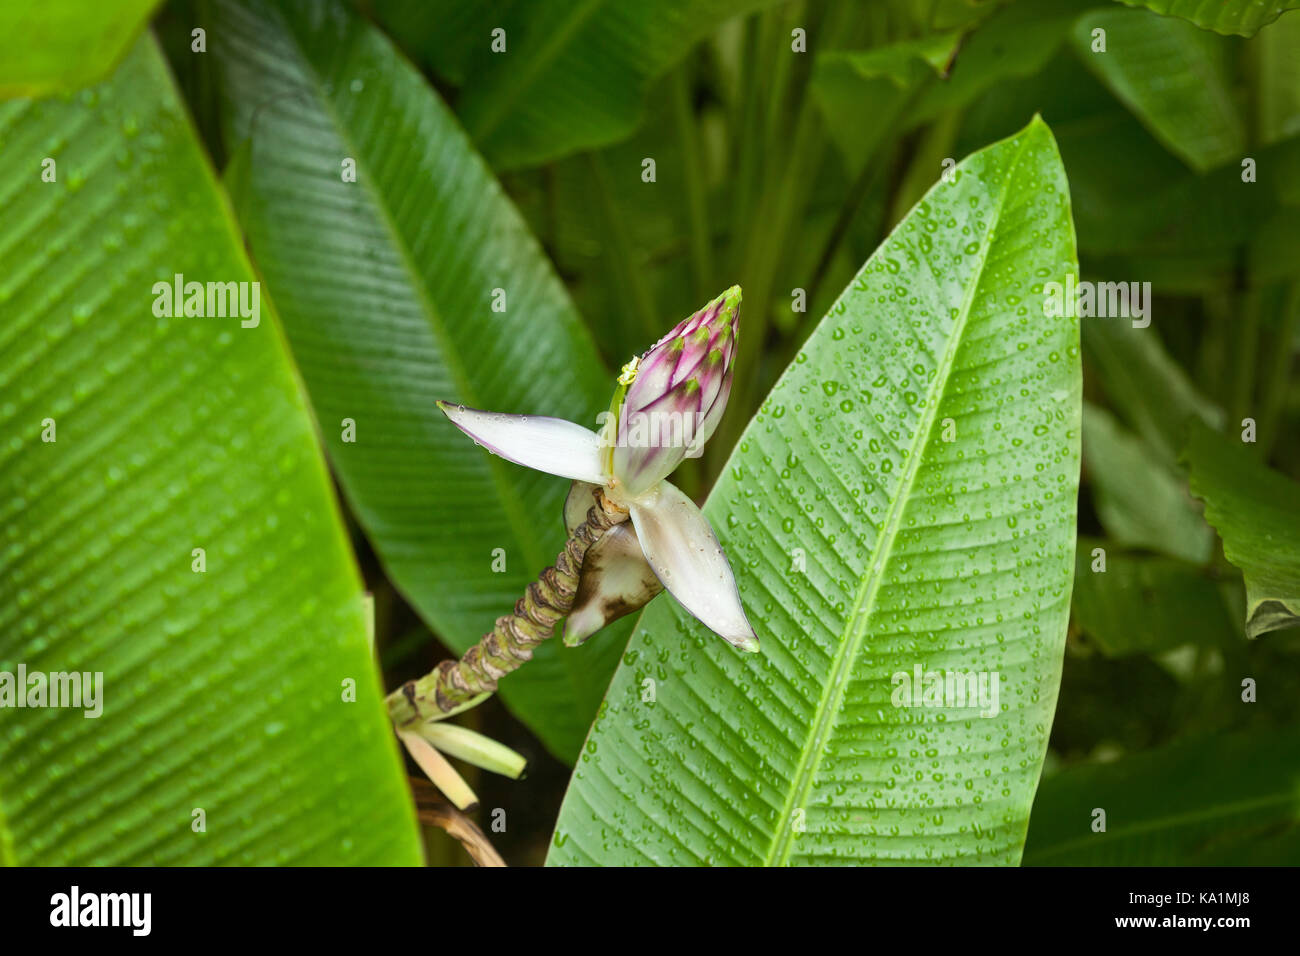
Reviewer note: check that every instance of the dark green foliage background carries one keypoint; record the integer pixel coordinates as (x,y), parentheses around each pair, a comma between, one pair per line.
(783,171)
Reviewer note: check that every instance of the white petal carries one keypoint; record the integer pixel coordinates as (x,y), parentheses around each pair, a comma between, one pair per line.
(615,580)
(686,556)
(551,445)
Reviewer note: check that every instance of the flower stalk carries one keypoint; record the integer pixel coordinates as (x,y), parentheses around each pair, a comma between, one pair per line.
(632,533)
(454,685)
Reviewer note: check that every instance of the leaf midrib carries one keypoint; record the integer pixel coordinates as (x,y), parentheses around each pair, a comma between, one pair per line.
(507,495)
(782,844)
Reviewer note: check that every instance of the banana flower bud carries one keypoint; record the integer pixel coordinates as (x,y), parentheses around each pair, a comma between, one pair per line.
(667,405)
(677,396)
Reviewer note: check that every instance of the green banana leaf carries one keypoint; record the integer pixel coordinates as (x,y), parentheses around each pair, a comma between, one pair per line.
(241,719)
(1256,512)
(64,44)
(386,287)
(866,545)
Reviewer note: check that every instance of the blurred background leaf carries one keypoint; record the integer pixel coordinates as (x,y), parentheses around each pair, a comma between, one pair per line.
(444,36)
(1131,366)
(1203,801)
(387,288)
(572,75)
(1145,604)
(1173,76)
(1274,58)
(1141,501)
(1242,17)
(1257,514)
(223,691)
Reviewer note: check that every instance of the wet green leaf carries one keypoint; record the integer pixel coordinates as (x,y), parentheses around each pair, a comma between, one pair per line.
(242,719)
(867,544)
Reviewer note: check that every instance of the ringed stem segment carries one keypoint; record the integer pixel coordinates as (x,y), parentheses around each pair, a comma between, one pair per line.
(454,686)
